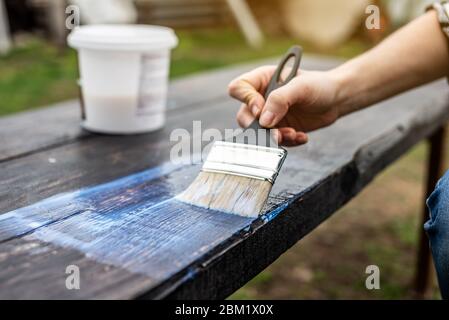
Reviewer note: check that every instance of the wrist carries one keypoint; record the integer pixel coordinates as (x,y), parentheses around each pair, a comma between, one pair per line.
(345,87)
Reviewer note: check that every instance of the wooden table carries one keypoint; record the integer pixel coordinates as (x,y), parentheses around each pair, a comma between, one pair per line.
(104,204)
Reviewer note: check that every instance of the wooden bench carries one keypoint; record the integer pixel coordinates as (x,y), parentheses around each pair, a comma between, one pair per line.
(104,203)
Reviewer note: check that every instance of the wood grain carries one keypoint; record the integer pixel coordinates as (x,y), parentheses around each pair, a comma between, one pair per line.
(131,239)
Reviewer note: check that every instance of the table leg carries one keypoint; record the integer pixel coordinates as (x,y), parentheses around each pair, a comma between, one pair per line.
(435,169)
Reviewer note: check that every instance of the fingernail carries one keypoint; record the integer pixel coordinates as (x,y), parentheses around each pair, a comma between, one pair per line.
(267,118)
(255,110)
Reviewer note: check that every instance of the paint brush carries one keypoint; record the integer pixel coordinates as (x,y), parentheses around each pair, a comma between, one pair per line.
(238,175)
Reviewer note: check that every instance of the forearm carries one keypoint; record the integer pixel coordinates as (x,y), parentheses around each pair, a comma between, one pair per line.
(416,54)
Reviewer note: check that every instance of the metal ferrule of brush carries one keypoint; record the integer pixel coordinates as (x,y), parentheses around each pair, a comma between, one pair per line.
(245,160)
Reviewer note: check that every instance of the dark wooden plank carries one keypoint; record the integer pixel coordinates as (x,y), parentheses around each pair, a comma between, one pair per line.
(23,133)
(27,132)
(18,269)
(181,251)
(91,161)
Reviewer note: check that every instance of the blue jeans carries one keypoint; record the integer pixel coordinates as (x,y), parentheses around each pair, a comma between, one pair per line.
(437,228)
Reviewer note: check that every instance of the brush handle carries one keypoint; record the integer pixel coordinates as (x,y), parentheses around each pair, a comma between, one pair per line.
(276,82)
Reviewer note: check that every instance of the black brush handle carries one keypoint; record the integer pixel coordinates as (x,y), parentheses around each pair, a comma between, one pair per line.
(276,82)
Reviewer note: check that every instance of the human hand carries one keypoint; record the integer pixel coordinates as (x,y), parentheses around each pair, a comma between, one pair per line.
(306,103)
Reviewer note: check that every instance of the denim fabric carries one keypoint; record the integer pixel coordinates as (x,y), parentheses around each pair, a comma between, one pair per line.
(437,228)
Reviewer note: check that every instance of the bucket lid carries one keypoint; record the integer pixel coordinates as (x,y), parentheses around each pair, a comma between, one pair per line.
(122,37)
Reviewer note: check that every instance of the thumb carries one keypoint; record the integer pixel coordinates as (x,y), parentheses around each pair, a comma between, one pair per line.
(277,105)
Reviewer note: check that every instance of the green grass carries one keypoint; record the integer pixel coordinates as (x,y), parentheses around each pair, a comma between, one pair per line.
(36,74)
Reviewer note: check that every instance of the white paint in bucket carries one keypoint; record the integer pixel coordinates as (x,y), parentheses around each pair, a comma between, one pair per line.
(124,76)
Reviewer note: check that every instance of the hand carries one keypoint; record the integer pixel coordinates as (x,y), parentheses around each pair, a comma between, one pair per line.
(306,103)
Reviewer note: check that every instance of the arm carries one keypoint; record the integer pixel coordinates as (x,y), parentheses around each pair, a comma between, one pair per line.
(416,54)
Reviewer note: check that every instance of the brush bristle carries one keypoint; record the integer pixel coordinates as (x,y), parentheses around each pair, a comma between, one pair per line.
(228,193)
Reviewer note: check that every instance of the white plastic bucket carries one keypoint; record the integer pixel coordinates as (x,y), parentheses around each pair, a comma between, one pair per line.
(123,76)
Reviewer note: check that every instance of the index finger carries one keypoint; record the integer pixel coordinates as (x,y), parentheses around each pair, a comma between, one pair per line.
(254,80)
